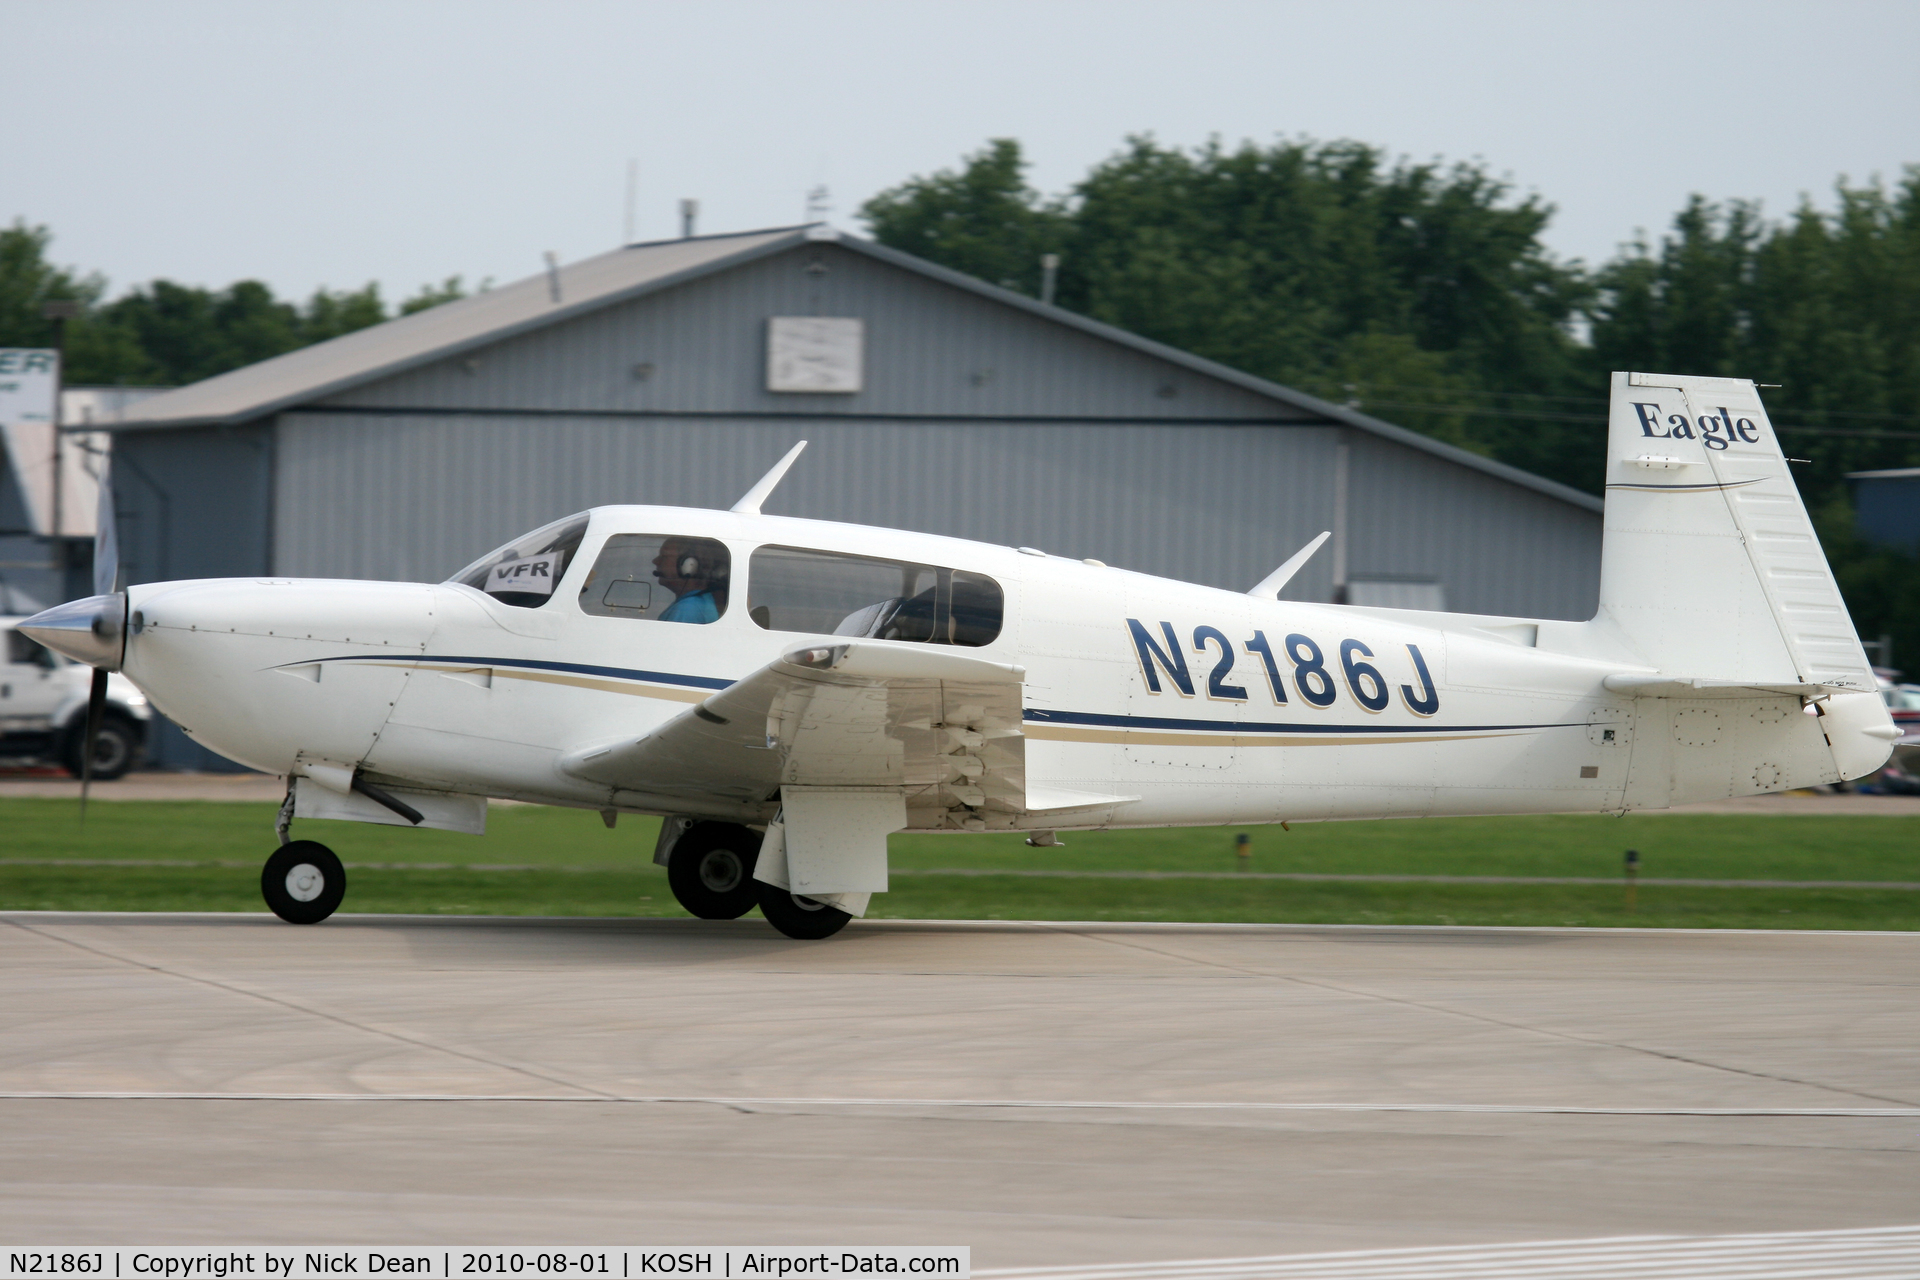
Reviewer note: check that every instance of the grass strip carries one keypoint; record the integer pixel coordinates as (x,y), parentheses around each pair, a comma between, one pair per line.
(1678,846)
(643,892)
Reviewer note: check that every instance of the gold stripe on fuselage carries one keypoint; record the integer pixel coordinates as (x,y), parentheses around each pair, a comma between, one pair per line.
(665,693)
(1037,732)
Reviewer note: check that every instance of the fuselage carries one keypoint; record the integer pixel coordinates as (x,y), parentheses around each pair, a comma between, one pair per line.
(1187,704)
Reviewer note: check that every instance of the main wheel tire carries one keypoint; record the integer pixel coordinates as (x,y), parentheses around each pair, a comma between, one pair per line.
(798,916)
(303,882)
(711,870)
(114,751)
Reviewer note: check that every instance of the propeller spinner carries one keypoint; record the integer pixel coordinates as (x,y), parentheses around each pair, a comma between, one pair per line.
(93,630)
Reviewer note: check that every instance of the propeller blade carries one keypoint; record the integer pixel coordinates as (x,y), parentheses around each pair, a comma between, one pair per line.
(106,537)
(96,711)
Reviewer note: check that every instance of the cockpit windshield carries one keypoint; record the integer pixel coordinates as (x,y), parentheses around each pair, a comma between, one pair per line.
(525,571)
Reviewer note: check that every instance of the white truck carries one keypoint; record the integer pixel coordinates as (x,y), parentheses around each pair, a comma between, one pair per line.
(43,710)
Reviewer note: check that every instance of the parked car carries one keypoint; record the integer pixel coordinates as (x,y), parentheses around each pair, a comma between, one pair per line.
(43,710)
(1903,701)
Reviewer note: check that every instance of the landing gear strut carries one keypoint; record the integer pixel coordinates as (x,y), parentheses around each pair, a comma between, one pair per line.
(303,882)
(711,870)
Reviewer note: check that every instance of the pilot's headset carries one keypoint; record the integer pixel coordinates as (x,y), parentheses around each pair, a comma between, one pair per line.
(693,565)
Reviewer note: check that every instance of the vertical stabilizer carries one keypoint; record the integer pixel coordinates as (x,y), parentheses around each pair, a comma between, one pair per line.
(1709,565)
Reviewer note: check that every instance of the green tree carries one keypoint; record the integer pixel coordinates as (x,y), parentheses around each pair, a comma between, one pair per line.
(1402,288)
(984,219)
(1320,265)
(449,290)
(1880,585)
(328,315)
(186,333)
(1826,305)
(163,333)
(28,281)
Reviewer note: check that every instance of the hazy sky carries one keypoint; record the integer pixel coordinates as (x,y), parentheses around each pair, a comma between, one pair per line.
(329,144)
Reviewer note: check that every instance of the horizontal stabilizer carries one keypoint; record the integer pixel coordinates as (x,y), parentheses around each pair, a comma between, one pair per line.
(1681,687)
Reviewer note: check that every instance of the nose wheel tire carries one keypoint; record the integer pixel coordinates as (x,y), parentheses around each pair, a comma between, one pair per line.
(303,882)
(711,870)
(798,916)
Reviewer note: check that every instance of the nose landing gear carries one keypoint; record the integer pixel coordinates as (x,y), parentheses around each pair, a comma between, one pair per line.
(303,882)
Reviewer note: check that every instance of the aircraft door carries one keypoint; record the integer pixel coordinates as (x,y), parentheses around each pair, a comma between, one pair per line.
(1072,640)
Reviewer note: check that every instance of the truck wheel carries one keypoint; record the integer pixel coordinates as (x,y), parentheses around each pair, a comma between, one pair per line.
(711,870)
(114,751)
(798,916)
(303,882)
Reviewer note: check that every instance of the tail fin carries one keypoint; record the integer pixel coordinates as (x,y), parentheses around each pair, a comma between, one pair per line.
(1709,566)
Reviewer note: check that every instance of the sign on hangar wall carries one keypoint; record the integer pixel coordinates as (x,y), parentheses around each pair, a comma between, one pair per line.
(29,382)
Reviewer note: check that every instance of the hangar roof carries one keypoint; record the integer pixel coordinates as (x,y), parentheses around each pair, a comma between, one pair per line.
(326,368)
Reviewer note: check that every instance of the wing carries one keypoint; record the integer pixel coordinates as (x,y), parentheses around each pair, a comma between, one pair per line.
(940,727)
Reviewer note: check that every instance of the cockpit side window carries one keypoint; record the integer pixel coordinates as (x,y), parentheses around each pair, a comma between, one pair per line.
(525,571)
(827,592)
(659,577)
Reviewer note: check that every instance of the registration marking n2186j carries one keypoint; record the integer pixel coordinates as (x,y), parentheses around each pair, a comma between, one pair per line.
(1164,656)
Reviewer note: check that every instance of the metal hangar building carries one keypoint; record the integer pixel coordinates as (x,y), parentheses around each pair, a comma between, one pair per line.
(677,372)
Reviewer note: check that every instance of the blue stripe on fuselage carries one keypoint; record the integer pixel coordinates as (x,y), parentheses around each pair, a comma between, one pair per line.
(1096,719)
(1034,715)
(571,668)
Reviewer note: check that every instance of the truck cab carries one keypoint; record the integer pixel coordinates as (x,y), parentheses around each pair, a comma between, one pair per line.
(43,710)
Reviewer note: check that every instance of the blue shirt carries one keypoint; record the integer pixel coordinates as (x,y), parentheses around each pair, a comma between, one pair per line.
(695,606)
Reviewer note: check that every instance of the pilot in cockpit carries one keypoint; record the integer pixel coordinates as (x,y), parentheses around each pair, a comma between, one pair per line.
(695,570)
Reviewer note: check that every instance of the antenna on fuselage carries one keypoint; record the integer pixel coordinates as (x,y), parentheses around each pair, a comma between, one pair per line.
(1269,587)
(749,503)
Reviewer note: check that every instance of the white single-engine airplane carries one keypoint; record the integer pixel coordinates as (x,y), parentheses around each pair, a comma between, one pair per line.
(785,693)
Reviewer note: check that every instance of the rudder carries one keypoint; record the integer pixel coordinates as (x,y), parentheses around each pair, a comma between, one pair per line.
(1710,567)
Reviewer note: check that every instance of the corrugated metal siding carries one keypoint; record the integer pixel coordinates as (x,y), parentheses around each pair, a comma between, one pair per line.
(415,497)
(1495,547)
(930,349)
(193,503)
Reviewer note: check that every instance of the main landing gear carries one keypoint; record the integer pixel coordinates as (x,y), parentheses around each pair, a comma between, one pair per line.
(303,882)
(711,870)
(711,873)
(799,916)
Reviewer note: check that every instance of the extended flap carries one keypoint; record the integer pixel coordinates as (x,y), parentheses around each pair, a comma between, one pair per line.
(1682,687)
(941,728)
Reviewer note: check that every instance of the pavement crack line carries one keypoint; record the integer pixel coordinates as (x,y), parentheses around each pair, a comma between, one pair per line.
(292,1006)
(1592,1041)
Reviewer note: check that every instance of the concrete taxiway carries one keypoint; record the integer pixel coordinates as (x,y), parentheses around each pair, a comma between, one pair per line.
(1048,1094)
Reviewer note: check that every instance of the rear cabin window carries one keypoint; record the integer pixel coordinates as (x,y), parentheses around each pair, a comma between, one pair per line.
(659,577)
(826,592)
(525,572)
